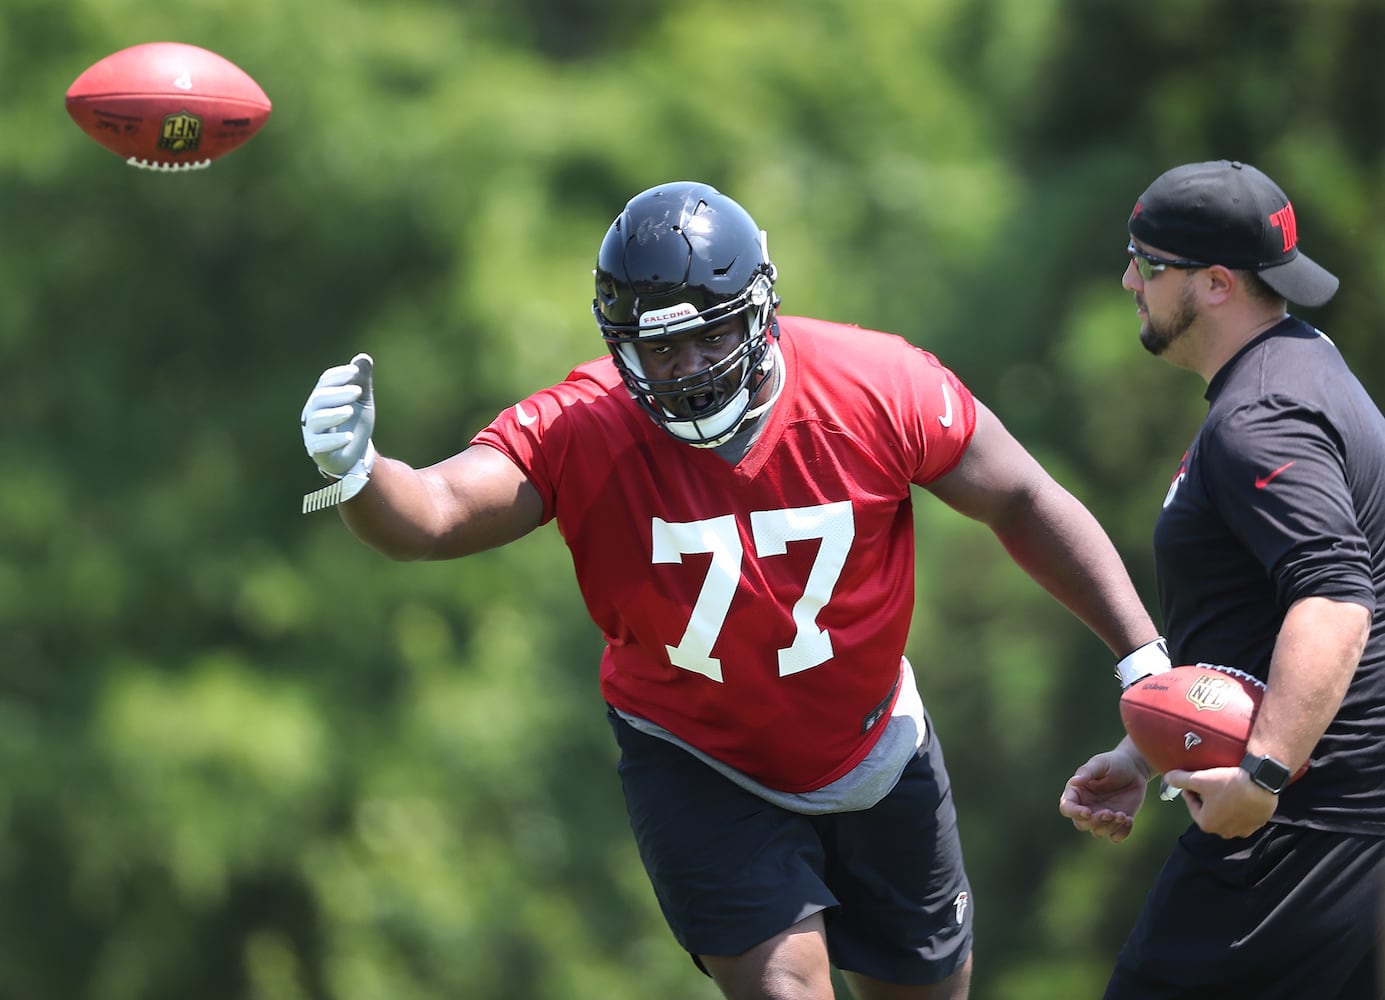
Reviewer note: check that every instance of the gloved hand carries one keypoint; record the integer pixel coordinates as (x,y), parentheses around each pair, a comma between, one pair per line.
(339,418)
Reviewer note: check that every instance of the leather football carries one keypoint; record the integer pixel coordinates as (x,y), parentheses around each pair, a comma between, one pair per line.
(167,106)
(1193,717)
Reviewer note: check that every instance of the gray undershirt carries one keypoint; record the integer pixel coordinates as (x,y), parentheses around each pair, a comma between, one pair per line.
(861,787)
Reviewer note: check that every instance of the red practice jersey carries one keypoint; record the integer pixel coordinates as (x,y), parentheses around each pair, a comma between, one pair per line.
(757,611)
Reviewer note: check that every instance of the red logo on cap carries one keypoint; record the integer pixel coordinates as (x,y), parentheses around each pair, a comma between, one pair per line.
(1283,220)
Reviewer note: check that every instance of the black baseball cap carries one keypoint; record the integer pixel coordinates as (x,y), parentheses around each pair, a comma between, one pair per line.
(1229,213)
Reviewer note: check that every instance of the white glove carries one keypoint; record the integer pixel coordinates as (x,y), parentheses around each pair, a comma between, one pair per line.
(337,423)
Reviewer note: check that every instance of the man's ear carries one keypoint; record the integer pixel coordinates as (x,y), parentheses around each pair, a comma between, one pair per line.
(1220,282)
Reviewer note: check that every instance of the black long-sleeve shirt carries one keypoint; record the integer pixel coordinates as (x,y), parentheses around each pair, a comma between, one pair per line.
(1281,496)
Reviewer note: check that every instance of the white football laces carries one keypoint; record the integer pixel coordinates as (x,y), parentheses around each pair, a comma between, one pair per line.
(168,168)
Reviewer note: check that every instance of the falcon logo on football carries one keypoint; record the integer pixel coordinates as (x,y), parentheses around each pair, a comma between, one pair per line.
(180,132)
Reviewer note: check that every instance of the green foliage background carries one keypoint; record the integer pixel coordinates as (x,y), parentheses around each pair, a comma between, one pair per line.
(245,757)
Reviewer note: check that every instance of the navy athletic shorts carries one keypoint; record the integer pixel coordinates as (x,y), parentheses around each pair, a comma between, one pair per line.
(1287,913)
(730,870)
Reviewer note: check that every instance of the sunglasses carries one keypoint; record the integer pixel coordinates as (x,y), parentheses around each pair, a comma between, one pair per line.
(1149,265)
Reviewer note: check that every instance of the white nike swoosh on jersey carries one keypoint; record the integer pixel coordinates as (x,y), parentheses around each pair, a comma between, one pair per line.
(525,417)
(946,418)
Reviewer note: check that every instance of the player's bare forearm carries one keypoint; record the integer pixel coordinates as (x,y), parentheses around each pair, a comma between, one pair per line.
(473,501)
(1060,544)
(396,513)
(1048,533)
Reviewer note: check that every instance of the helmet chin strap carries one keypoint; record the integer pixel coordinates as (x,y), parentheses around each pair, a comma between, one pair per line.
(724,425)
(774,362)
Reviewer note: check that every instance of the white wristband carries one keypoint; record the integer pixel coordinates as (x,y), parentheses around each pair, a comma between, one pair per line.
(1167,792)
(1151,658)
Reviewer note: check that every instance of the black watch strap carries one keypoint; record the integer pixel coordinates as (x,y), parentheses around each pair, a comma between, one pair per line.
(1268,773)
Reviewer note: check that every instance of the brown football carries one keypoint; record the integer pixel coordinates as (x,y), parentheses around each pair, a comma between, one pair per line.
(167,106)
(1193,717)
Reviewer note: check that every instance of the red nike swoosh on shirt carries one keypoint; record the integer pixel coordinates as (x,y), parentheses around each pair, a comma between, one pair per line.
(1262,481)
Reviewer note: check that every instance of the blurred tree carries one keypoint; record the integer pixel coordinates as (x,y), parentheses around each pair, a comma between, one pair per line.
(246,758)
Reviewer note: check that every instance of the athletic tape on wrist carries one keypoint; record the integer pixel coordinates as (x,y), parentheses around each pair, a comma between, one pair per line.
(1151,658)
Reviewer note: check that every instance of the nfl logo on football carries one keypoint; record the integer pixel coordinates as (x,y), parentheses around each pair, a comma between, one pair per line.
(180,132)
(1208,693)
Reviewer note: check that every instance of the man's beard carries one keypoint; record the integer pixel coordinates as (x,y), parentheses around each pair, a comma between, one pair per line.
(1158,337)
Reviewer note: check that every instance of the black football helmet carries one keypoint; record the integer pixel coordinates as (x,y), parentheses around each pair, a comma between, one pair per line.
(680,256)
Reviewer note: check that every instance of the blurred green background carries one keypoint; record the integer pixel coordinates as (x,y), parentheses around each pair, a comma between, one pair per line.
(245,757)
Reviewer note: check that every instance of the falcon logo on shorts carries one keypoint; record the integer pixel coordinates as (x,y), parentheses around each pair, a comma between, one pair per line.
(960,904)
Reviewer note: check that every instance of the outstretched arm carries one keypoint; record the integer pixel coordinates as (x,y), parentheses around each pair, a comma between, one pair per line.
(1048,533)
(475,500)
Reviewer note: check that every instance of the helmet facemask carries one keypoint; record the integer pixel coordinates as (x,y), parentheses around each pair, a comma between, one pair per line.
(707,407)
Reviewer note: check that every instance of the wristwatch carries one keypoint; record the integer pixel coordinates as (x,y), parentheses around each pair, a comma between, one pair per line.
(1266,772)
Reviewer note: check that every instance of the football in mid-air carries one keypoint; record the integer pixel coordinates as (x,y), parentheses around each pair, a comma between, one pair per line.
(167,106)
(1193,717)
